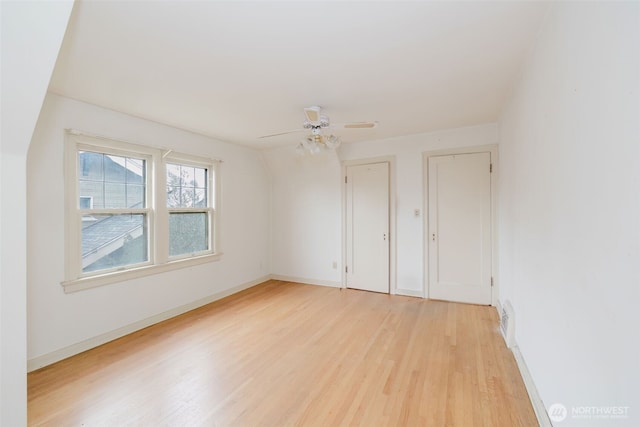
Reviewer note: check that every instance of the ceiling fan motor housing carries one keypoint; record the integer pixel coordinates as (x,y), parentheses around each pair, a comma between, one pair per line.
(322,122)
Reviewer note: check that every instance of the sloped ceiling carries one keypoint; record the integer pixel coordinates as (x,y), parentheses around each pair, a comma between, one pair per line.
(239,70)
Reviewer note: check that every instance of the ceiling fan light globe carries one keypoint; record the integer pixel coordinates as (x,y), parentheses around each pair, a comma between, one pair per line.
(314,148)
(332,141)
(306,143)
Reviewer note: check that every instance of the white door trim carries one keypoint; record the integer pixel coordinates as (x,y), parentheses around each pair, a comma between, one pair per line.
(392,216)
(493,149)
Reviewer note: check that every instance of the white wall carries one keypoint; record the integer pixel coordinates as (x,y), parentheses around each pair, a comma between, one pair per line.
(570,209)
(57,320)
(31,36)
(307,203)
(410,190)
(306,218)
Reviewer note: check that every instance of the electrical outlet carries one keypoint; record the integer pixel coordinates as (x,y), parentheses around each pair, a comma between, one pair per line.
(335,265)
(416,212)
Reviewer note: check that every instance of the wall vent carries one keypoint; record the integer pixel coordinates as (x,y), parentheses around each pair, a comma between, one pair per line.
(507,324)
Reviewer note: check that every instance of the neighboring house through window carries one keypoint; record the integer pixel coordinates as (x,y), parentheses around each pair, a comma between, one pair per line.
(118,227)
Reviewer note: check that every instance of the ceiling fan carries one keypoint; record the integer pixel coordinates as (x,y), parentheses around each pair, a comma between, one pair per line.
(315,123)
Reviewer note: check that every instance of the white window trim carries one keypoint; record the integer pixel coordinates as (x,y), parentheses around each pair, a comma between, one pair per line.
(158,214)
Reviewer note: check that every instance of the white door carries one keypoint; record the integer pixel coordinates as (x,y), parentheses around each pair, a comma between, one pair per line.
(367,227)
(459,228)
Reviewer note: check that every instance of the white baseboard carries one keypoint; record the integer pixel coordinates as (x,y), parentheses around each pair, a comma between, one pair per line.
(306,281)
(410,293)
(534,397)
(63,353)
(404,292)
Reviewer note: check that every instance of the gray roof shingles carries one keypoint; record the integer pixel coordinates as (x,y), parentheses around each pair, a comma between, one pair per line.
(106,230)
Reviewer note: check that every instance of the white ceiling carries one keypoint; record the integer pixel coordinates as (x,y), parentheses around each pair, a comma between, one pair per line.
(239,70)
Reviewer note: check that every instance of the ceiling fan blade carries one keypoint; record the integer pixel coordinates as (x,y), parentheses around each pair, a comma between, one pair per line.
(357,125)
(282,133)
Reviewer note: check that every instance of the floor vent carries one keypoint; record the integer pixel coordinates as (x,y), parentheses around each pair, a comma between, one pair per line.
(507,324)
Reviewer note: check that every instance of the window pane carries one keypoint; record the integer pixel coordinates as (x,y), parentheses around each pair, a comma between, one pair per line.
(113,182)
(115,196)
(201,177)
(188,233)
(173,175)
(110,241)
(92,190)
(187,197)
(186,186)
(173,196)
(188,176)
(135,196)
(200,198)
(135,170)
(90,165)
(114,168)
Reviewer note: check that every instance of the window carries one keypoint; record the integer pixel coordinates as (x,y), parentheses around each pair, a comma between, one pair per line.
(189,209)
(115,221)
(86,202)
(134,210)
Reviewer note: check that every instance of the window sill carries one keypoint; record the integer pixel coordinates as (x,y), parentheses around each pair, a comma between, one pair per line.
(83,283)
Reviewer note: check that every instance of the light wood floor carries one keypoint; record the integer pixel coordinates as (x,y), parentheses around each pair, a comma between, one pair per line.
(290,354)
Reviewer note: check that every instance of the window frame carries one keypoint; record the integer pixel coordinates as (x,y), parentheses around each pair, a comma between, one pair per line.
(209,210)
(156,211)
